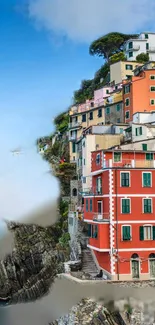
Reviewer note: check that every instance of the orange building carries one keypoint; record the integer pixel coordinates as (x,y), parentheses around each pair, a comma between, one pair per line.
(139,93)
(119,210)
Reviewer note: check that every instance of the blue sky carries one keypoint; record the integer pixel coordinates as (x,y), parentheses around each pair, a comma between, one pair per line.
(43,58)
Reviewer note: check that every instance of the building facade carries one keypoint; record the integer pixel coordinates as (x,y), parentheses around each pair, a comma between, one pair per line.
(145,43)
(120,213)
(122,70)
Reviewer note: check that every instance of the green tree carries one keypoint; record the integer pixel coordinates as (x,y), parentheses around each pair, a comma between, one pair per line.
(117,57)
(142,58)
(109,44)
(85,92)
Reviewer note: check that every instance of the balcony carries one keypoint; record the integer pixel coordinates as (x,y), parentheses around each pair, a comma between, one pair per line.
(74,125)
(133,48)
(101,217)
(129,163)
(151,49)
(92,192)
(72,137)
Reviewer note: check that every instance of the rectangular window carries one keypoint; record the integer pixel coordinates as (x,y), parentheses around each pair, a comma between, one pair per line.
(127,114)
(107,91)
(125,205)
(152,102)
(117,157)
(91,116)
(130,45)
(147,205)
(152,77)
(127,102)
(83,117)
(95,231)
(118,120)
(127,89)
(126,232)
(91,205)
(130,54)
(107,110)
(147,46)
(98,185)
(100,112)
(98,159)
(147,179)
(118,107)
(87,208)
(73,147)
(147,232)
(125,179)
(152,88)
(139,131)
(146,36)
(128,67)
(144,146)
(84,180)
(89,230)
(149,156)
(84,161)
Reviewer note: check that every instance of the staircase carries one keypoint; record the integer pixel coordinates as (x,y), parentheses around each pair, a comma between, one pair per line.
(88,264)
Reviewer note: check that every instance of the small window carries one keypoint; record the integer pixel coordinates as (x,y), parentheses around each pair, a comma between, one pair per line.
(125,179)
(98,159)
(84,180)
(95,231)
(107,110)
(73,147)
(147,232)
(84,161)
(98,185)
(127,89)
(117,157)
(125,206)
(152,77)
(91,205)
(118,107)
(127,102)
(84,144)
(130,54)
(149,156)
(146,36)
(128,67)
(130,45)
(147,46)
(152,88)
(107,91)
(152,101)
(100,112)
(139,131)
(91,116)
(147,205)
(126,233)
(127,114)
(74,192)
(83,117)
(147,179)
(118,120)
(87,208)
(144,146)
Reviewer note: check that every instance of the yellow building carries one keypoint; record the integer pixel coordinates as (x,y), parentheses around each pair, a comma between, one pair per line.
(81,117)
(122,70)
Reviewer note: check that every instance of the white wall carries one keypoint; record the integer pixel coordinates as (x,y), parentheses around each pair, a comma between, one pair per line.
(138,145)
(86,154)
(144,117)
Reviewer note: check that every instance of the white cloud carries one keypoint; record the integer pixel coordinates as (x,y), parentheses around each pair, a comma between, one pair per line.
(84,20)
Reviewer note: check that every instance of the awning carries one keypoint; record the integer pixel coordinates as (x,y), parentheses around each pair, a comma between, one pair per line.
(97,172)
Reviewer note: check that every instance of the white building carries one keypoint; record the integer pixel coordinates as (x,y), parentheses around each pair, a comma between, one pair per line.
(145,43)
(139,132)
(144,117)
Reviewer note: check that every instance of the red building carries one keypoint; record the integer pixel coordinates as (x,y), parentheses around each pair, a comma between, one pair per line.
(119,209)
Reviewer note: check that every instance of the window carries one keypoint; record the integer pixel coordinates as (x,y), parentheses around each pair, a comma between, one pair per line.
(83,117)
(84,161)
(98,185)
(84,180)
(130,54)
(144,146)
(91,116)
(117,157)
(147,232)
(125,179)
(152,88)
(125,205)
(127,114)
(128,67)
(84,144)
(130,45)
(147,46)
(98,159)
(74,192)
(127,89)
(91,205)
(118,120)
(127,102)
(126,232)
(147,179)
(107,91)
(73,147)
(95,231)
(87,209)
(100,112)
(139,131)
(152,101)
(107,110)
(146,36)
(152,77)
(118,107)
(149,156)
(147,205)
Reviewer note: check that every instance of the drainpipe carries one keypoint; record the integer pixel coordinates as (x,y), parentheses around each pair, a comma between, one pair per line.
(116,222)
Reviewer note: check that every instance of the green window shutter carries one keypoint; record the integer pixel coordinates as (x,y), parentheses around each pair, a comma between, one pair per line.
(91,205)
(136,131)
(126,233)
(153,229)
(122,179)
(144,146)
(146,179)
(149,156)
(145,205)
(123,206)
(89,230)
(127,206)
(140,130)
(95,233)
(141,233)
(149,206)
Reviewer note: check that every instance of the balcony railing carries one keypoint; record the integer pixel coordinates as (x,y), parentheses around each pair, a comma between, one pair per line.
(91,191)
(72,137)
(74,125)
(133,48)
(97,216)
(151,49)
(129,163)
